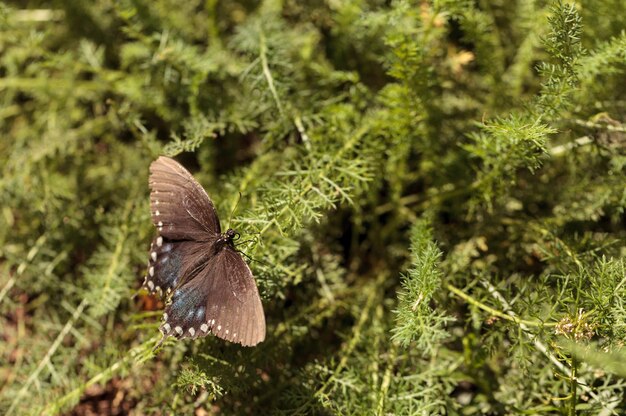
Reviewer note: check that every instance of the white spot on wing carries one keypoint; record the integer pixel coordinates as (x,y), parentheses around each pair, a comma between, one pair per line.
(151,271)
(157,213)
(204,327)
(165,317)
(159,241)
(192,331)
(227,332)
(160,224)
(219,327)
(178,330)
(167,327)
(153,255)
(150,285)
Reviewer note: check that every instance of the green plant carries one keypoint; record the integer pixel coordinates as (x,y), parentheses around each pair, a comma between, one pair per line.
(434,192)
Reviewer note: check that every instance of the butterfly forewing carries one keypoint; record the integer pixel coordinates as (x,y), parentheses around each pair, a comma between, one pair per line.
(181,209)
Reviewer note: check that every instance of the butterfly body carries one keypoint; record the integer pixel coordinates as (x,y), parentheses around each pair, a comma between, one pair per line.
(226,239)
(208,287)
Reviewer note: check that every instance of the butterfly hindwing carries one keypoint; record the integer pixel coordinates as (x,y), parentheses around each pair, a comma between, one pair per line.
(181,209)
(172,263)
(238,294)
(222,299)
(185,315)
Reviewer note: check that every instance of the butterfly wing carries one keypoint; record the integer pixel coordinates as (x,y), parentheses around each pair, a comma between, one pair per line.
(222,299)
(181,208)
(173,263)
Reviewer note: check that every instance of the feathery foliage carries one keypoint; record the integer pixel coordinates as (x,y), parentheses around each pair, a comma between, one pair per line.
(416,320)
(433,194)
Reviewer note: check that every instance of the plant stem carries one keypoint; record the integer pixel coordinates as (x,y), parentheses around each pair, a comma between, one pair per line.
(496,312)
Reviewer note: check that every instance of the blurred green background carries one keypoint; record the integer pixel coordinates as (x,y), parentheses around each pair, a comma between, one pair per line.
(434,192)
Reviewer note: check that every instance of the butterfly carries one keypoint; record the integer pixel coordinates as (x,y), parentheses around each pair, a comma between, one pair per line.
(207,285)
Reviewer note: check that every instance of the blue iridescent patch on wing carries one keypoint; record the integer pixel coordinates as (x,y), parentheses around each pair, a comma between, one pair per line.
(168,266)
(187,312)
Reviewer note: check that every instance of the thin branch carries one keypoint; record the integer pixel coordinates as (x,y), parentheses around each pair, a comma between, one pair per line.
(386,383)
(496,312)
(46,359)
(268,74)
(7,287)
(38,15)
(142,351)
(354,339)
(544,350)
(22,267)
(305,137)
(561,149)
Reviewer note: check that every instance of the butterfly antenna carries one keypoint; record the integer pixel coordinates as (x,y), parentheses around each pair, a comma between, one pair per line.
(234,209)
(252,240)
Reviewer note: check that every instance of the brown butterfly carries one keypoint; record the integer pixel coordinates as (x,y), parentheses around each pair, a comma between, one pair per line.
(209,288)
